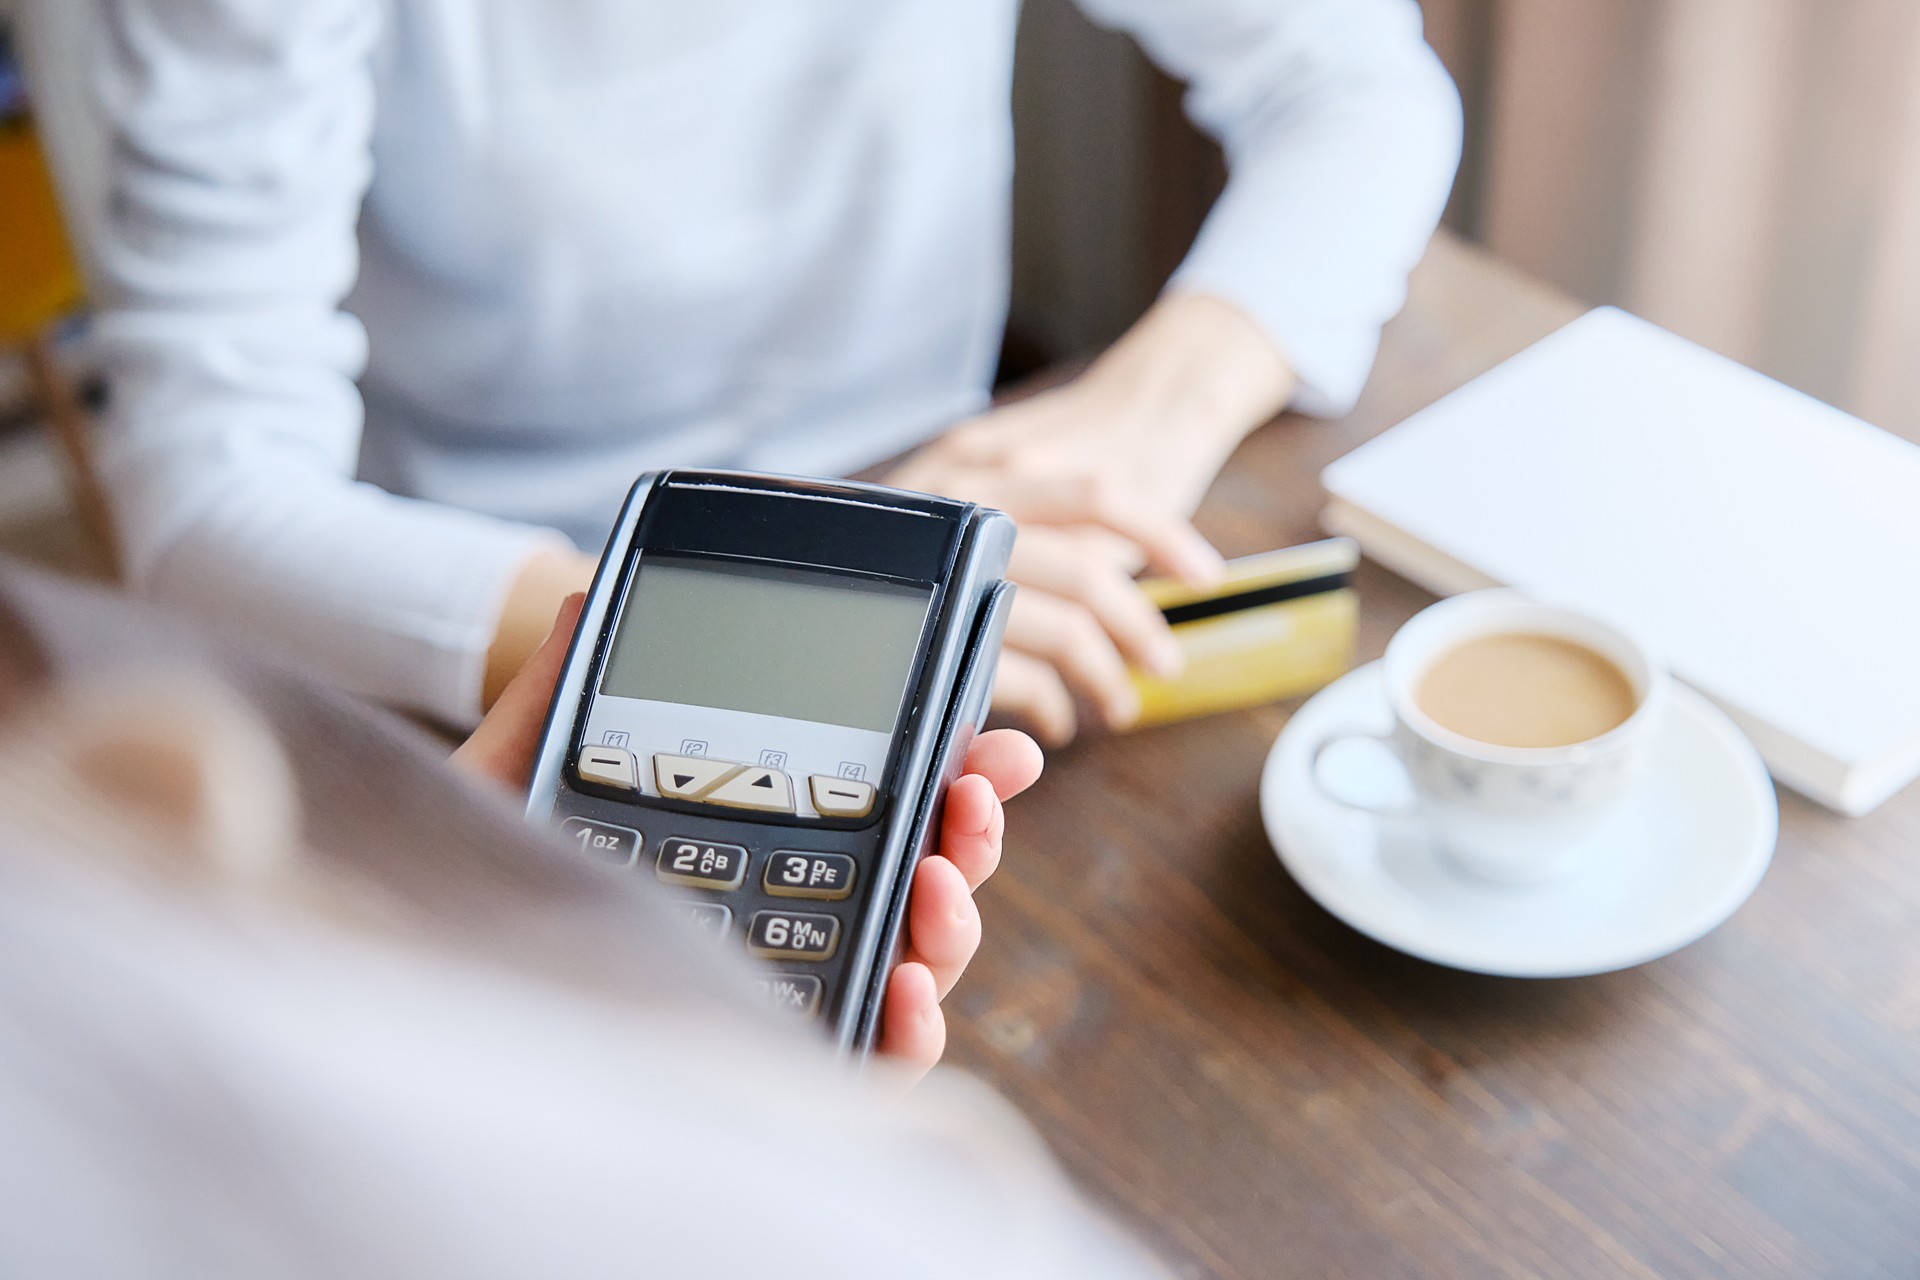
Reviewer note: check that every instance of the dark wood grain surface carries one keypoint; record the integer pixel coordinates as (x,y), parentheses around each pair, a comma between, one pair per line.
(1263,1092)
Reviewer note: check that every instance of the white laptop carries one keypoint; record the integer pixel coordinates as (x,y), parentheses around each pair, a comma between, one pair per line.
(1767,544)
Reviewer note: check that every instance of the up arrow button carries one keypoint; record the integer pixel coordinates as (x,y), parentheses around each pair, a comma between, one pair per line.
(767,790)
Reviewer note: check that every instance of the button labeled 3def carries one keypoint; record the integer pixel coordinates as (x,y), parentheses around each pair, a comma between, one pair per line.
(826,876)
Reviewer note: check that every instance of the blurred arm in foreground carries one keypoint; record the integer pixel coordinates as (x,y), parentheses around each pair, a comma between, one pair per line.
(287,996)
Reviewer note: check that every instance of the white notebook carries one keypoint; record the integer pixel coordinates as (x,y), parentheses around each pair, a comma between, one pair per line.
(1766,544)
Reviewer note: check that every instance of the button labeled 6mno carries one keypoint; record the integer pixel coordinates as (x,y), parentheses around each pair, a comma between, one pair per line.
(788,935)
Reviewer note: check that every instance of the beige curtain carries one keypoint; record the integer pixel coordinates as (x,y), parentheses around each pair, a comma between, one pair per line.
(1745,172)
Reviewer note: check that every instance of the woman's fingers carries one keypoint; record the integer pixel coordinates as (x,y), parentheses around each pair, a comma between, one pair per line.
(1069,565)
(943,924)
(913,1031)
(1070,640)
(501,746)
(1036,491)
(1123,554)
(1029,692)
(1172,545)
(971,828)
(1008,759)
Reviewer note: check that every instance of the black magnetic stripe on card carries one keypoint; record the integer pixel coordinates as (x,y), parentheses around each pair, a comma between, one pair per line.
(1275,594)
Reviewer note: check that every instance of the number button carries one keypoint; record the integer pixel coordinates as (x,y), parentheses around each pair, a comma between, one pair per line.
(786,935)
(700,865)
(795,992)
(826,876)
(710,918)
(603,839)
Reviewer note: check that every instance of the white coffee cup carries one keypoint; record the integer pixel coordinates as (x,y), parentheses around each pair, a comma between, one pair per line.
(1513,814)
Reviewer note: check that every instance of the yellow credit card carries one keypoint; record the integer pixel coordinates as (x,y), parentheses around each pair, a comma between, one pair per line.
(1280,624)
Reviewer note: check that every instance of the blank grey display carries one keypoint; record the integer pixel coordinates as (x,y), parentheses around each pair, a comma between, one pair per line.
(776,642)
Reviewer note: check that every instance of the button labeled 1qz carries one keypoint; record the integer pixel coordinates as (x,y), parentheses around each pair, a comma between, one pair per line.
(620,844)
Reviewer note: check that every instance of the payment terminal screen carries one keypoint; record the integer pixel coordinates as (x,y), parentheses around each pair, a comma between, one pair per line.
(776,642)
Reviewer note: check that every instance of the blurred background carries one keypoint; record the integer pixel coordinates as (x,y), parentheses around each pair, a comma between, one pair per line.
(1745,172)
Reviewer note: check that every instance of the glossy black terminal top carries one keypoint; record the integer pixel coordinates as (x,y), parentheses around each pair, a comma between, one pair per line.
(769,597)
(906,537)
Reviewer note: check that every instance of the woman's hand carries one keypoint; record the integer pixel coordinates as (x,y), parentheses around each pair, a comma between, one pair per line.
(545,580)
(1078,621)
(1104,474)
(943,924)
(502,745)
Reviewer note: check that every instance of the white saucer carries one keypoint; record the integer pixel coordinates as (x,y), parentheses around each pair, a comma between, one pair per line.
(1679,857)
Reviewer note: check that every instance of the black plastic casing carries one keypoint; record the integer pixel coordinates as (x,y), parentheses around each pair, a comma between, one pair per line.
(957,549)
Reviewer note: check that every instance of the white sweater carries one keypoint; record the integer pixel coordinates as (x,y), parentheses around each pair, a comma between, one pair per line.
(393,290)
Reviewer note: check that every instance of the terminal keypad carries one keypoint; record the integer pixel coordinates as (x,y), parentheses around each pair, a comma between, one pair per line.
(733,890)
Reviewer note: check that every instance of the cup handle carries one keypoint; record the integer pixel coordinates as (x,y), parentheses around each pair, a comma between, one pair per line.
(1404,809)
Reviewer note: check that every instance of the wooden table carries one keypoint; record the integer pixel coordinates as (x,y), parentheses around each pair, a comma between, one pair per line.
(1260,1091)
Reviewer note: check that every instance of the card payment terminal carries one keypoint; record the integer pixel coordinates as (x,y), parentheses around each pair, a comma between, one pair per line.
(772,683)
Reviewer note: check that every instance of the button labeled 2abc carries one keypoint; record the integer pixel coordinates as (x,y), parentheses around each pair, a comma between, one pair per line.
(788,935)
(825,876)
(699,864)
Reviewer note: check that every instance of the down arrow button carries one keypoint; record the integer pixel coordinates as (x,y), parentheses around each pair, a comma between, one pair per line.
(689,777)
